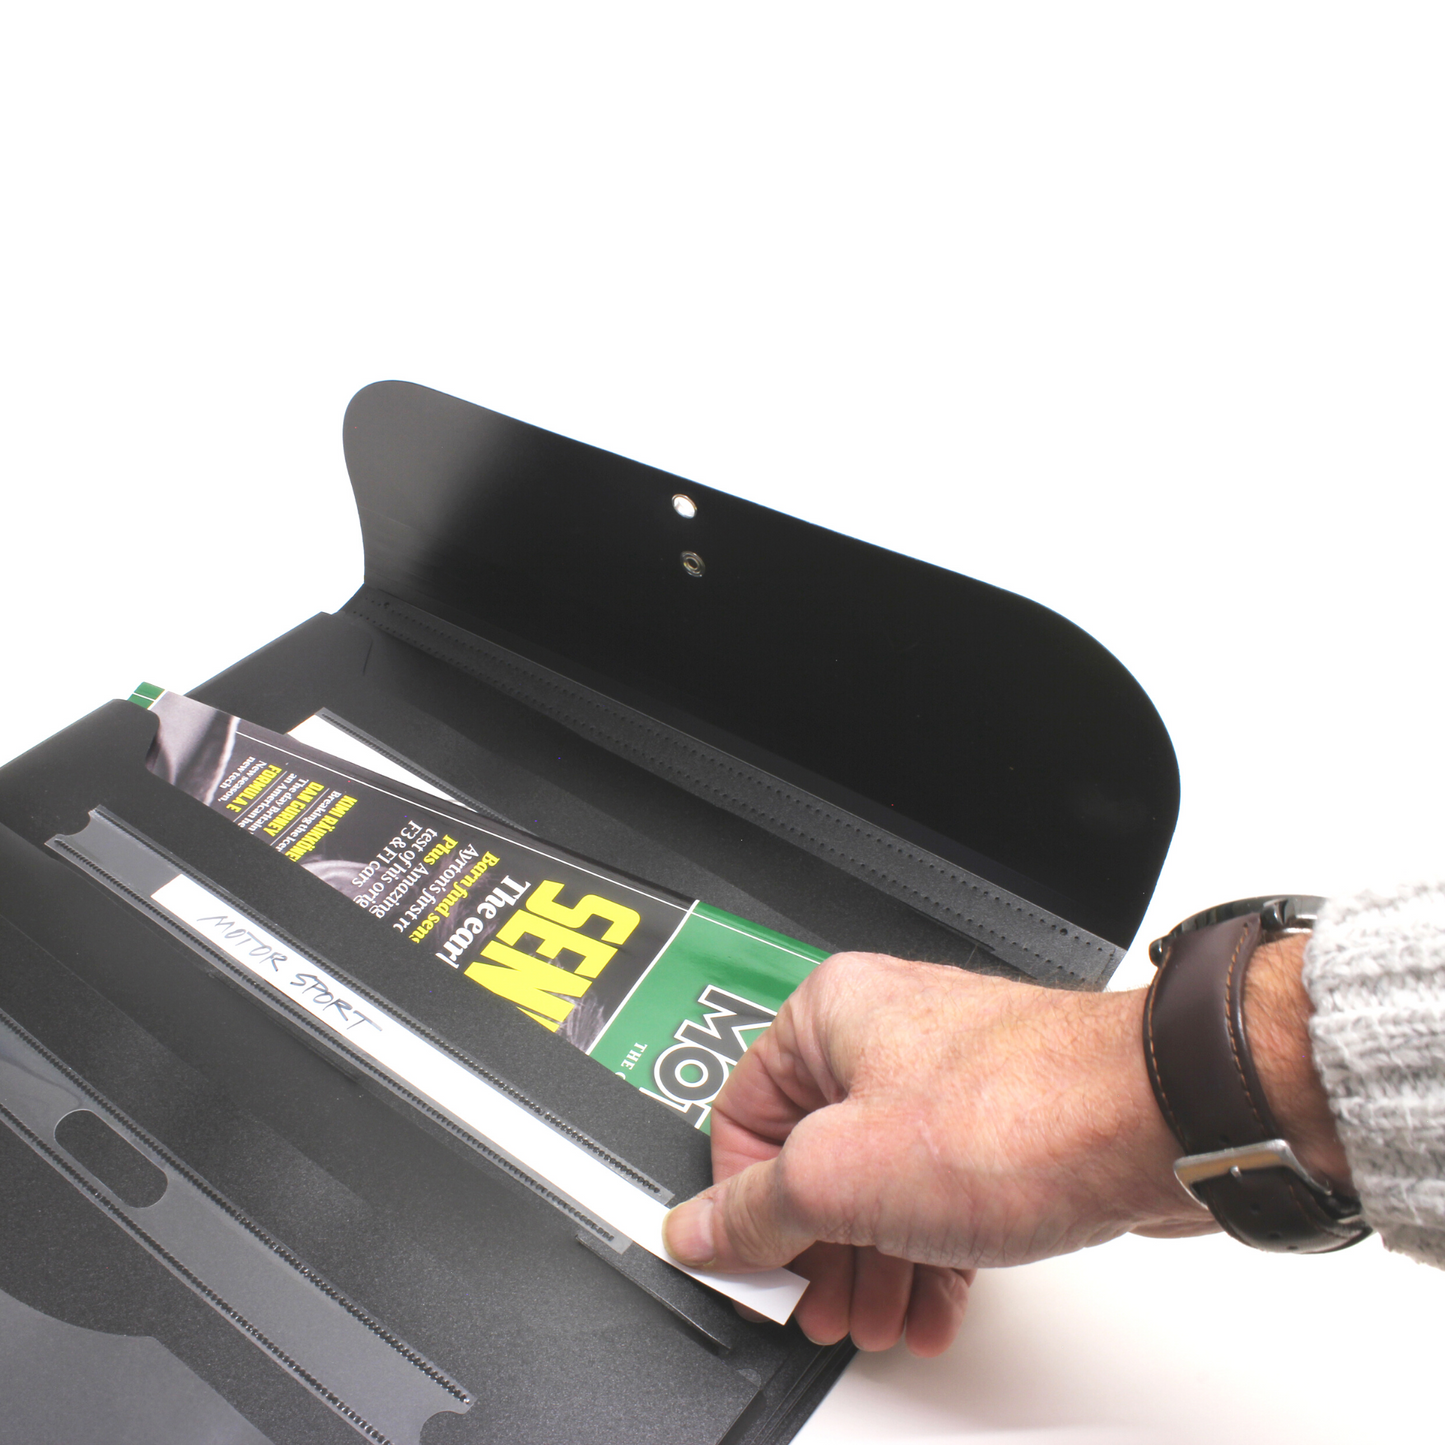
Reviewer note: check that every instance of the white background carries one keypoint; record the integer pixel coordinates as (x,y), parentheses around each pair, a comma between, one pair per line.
(1136,310)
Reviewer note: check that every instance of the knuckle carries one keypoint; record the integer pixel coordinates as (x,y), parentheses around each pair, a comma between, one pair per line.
(839,978)
(842,966)
(844,976)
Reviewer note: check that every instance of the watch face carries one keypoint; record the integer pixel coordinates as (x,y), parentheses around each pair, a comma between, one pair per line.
(1278,913)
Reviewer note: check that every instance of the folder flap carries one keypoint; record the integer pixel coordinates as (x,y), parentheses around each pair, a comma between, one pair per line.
(970,721)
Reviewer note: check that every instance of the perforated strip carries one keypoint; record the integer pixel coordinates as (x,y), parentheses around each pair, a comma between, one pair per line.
(102,1202)
(1031,939)
(127,1125)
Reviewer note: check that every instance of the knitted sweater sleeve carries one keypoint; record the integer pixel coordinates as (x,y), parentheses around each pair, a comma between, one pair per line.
(1375,972)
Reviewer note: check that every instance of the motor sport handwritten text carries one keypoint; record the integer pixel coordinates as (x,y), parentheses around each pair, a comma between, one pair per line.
(323,996)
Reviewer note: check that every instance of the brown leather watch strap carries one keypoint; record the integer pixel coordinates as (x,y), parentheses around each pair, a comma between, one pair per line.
(1206,1084)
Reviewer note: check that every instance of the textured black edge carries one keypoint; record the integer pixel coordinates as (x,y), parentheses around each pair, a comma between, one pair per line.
(783,1422)
(1086,958)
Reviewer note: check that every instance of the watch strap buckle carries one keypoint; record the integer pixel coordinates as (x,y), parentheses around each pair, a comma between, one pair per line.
(1194,1169)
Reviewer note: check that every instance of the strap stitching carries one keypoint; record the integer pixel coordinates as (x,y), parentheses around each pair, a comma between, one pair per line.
(1237,1044)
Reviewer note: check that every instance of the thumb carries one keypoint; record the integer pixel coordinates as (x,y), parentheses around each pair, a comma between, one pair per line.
(745,1223)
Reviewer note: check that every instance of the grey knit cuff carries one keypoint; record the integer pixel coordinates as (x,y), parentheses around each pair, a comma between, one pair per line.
(1375,971)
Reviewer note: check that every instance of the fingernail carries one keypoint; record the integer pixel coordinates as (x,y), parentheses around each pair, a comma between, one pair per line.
(687,1232)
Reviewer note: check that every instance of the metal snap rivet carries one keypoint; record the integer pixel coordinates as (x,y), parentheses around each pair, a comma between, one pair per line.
(693,565)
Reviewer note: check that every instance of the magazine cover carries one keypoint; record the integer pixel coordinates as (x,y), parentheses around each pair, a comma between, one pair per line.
(665,991)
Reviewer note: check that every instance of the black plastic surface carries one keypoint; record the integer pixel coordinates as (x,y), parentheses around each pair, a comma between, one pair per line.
(965,718)
(486,1279)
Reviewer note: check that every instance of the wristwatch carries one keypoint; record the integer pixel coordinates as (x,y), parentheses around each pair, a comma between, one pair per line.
(1235,1161)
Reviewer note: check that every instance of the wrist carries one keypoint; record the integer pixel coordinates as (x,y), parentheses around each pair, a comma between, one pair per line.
(1209,1060)
(1141,1166)
(1277,1011)
(1276,1019)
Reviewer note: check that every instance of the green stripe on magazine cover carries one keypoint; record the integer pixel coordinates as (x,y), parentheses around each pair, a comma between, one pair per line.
(145,694)
(703,1000)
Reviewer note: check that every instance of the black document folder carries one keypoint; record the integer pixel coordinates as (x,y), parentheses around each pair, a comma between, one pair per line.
(216,1228)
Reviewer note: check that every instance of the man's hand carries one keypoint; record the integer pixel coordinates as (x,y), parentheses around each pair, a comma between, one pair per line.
(902,1123)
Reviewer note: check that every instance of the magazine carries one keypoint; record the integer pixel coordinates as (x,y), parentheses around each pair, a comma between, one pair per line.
(665,991)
